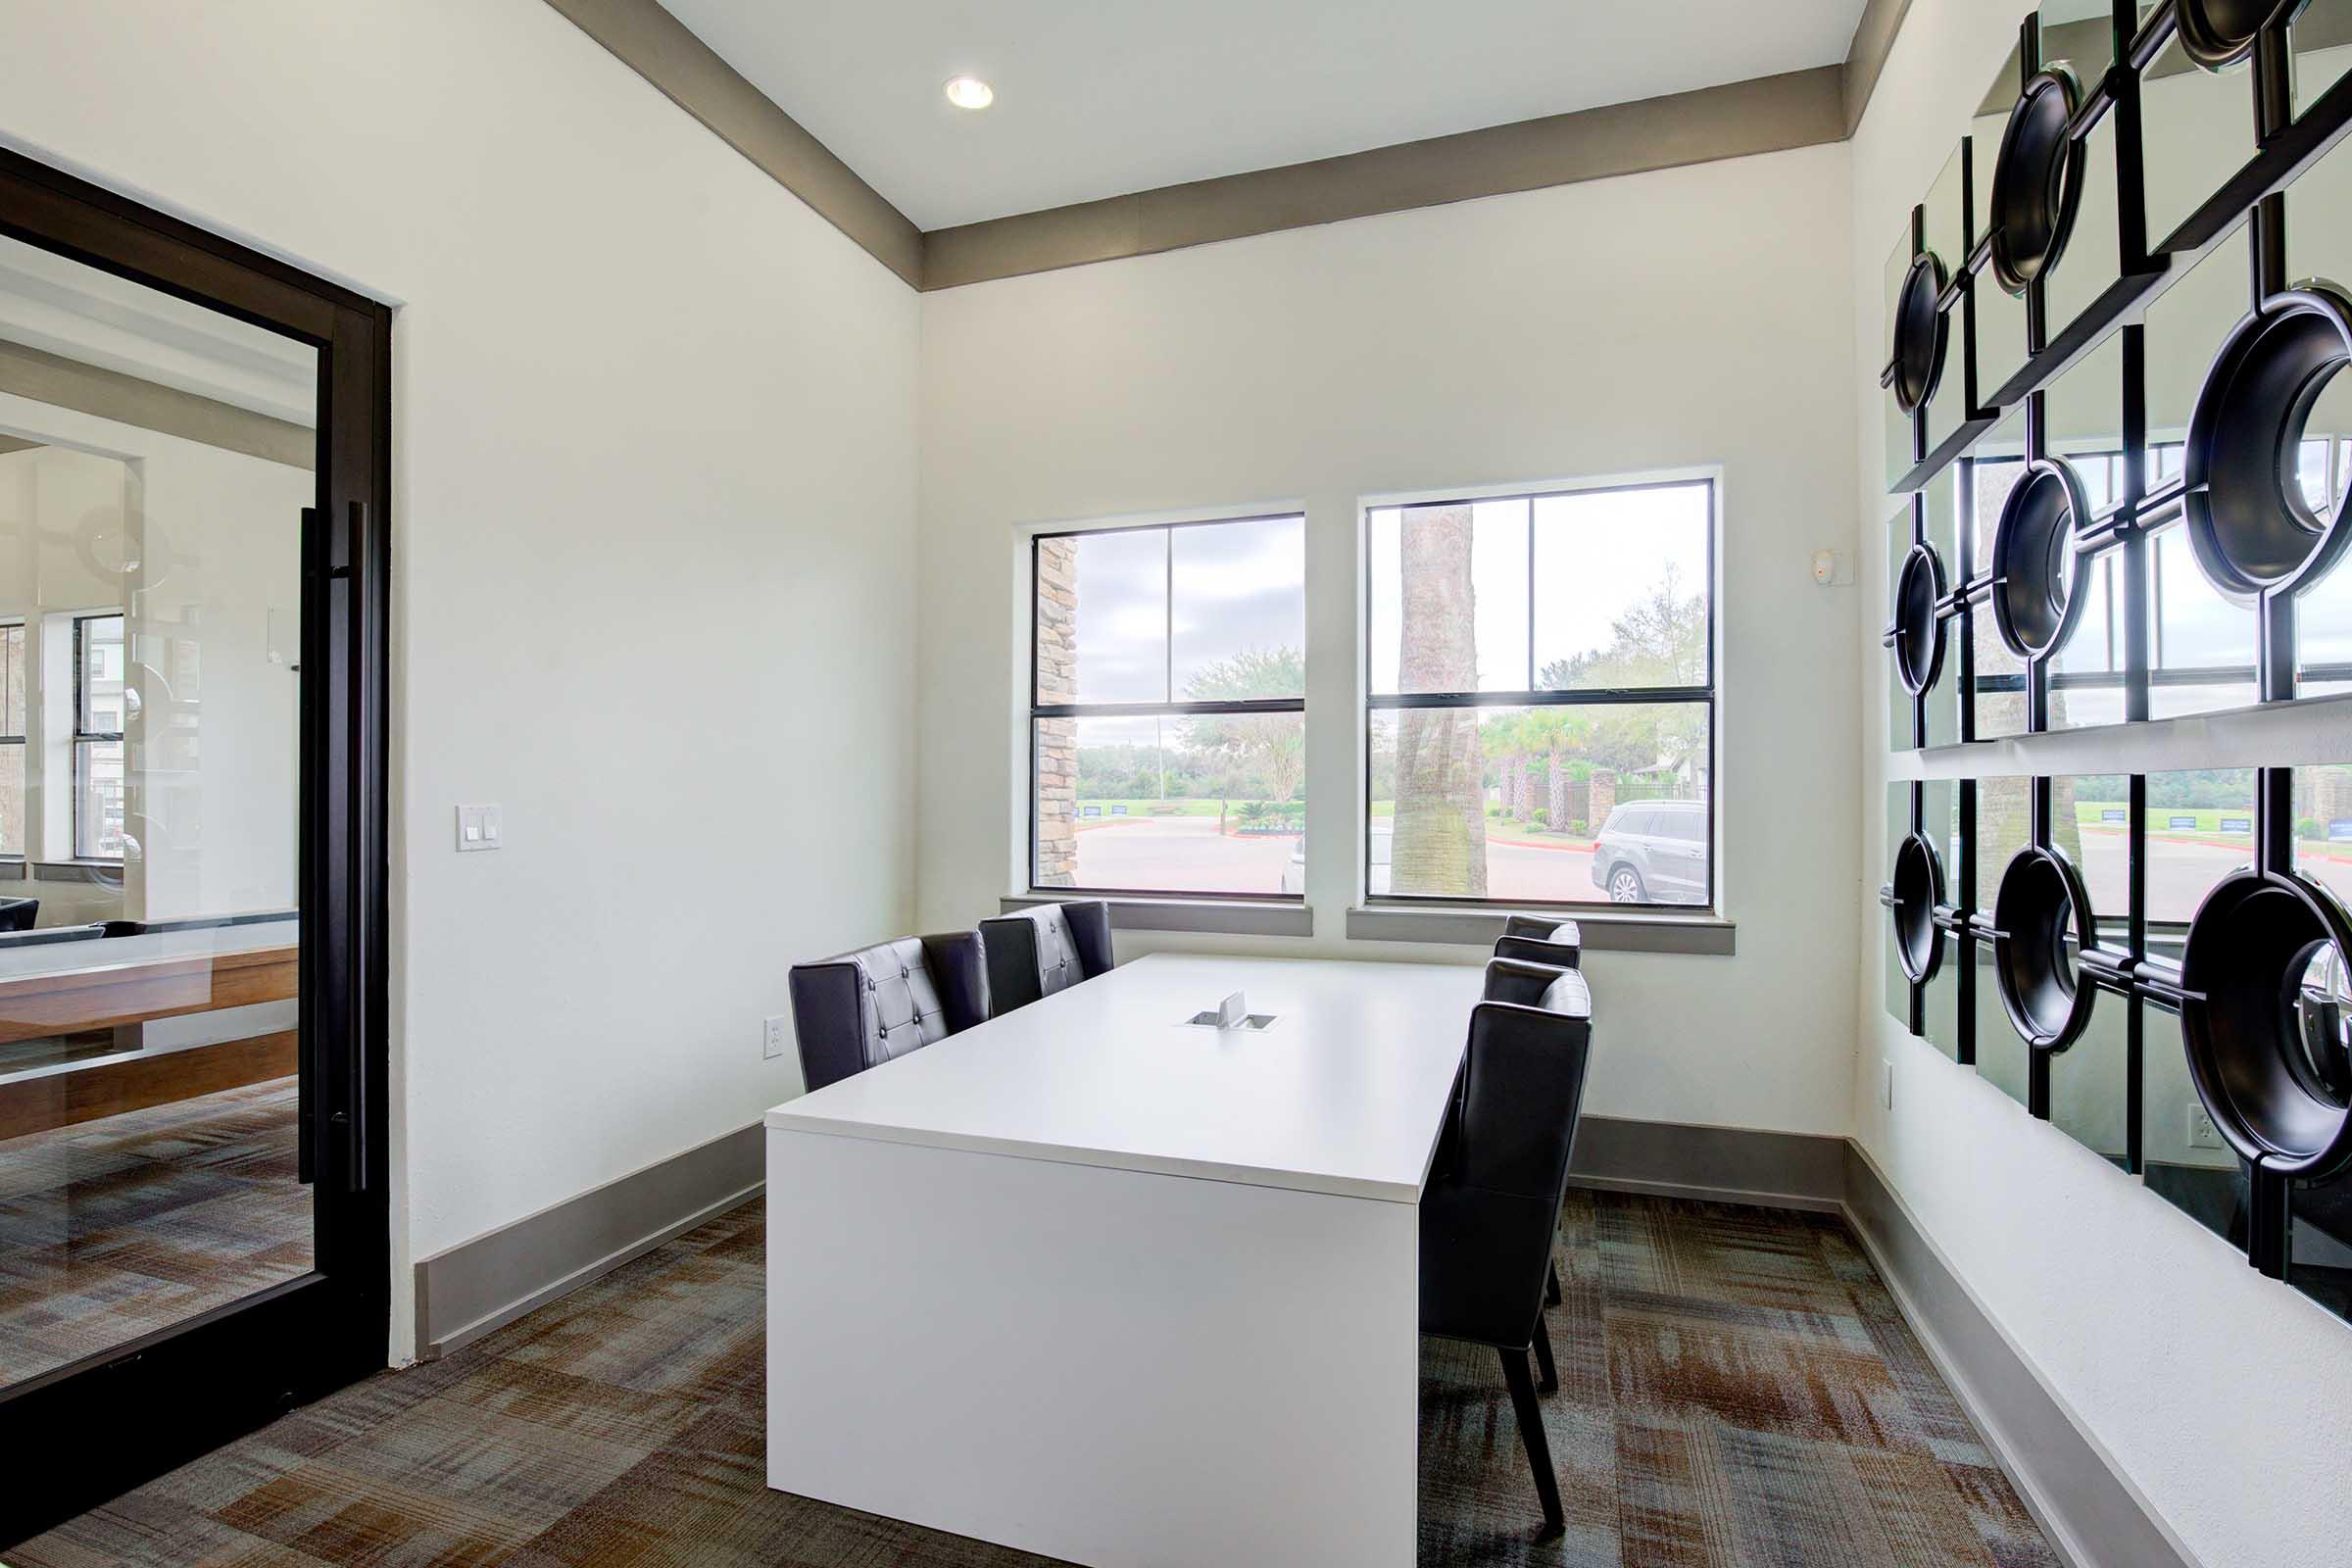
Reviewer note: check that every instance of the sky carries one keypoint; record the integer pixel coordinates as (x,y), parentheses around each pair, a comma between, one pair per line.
(1597,553)
(1238,587)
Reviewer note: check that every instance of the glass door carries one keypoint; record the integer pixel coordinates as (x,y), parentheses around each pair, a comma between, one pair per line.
(192,1219)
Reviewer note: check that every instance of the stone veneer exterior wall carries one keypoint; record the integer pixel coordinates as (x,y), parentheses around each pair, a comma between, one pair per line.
(1056,738)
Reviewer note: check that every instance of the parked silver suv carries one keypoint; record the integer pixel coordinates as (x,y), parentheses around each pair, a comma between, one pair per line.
(1653,851)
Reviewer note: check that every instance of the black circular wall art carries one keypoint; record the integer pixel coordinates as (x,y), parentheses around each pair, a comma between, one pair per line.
(2218,33)
(2040,904)
(1917,888)
(2248,522)
(2037,572)
(2036,180)
(2262,1019)
(1917,631)
(1921,333)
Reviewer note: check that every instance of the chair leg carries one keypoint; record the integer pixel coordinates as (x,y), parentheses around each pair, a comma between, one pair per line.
(1517,1373)
(1547,1378)
(1551,1285)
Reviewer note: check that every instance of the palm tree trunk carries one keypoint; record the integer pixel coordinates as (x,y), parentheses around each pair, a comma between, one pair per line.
(1440,829)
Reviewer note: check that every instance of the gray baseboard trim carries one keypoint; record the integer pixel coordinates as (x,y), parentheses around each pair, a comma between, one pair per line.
(480,1286)
(1715,1164)
(2088,1507)
(2092,1513)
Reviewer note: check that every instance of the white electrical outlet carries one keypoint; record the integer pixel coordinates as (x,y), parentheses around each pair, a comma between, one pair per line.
(2202,1132)
(775,1038)
(1886,1083)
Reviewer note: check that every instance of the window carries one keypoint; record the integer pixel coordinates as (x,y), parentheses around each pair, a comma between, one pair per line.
(99,700)
(1168,709)
(1540,724)
(12,739)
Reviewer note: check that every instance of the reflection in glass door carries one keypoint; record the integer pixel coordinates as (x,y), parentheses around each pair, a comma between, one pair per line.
(190,852)
(158,460)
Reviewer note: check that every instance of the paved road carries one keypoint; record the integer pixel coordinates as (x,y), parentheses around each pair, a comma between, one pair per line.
(2182,871)
(1187,854)
(1179,855)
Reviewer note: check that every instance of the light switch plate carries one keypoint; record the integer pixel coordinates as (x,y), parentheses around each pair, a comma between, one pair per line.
(479,828)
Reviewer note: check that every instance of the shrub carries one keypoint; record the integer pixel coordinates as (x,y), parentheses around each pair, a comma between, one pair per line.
(1540,815)
(2310,827)
(1577,826)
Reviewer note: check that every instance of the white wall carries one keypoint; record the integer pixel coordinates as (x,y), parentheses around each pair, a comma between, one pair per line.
(2224,1397)
(1672,320)
(654,493)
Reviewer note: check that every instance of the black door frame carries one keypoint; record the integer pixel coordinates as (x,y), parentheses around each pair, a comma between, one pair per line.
(89,1430)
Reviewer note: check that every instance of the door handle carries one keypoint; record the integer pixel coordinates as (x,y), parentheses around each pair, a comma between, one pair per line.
(306,1065)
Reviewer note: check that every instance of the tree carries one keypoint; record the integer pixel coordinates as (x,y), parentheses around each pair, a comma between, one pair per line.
(1661,640)
(1272,744)
(1440,828)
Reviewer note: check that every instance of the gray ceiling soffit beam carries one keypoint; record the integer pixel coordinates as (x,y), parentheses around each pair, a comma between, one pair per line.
(661,49)
(1873,40)
(1768,114)
(44,377)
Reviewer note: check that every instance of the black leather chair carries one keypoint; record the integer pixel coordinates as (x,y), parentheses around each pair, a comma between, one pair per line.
(18,914)
(859,1010)
(1493,1202)
(1034,953)
(1539,941)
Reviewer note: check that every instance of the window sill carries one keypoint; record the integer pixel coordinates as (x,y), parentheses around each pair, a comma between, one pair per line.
(109,872)
(1707,935)
(1223,917)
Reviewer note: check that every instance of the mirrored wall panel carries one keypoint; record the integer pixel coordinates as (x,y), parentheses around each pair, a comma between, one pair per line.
(2144,511)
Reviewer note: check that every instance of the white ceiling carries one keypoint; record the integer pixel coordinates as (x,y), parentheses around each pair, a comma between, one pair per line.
(1103,97)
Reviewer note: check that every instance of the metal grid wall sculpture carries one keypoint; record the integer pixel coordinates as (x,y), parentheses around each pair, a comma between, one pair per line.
(2000,281)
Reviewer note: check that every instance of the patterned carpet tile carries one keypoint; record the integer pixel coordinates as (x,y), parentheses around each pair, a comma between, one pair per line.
(1738,1390)
(114,1227)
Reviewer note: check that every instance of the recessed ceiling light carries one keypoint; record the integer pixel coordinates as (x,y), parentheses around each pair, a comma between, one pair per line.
(970,92)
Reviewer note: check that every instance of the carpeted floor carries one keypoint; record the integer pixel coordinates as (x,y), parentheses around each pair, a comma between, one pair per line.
(112,1228)
(1736,1388)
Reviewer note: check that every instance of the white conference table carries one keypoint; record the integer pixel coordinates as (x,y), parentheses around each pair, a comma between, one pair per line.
(1094,1283)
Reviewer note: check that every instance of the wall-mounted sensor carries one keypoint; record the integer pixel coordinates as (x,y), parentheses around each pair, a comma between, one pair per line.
(1831,570)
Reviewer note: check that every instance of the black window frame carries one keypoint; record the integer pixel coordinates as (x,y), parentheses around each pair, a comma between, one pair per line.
(17,736)
(1168,709)
(84,735)
(1707,692)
